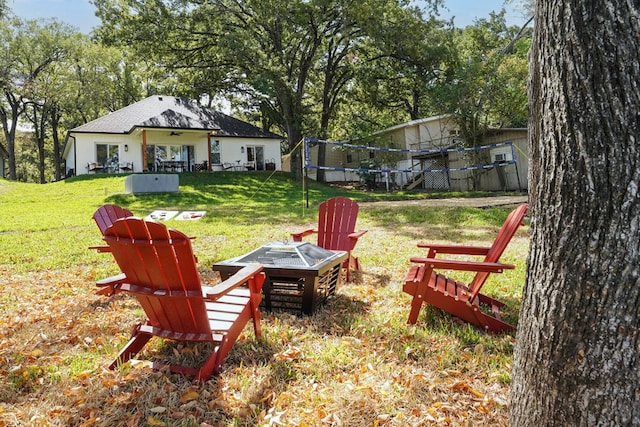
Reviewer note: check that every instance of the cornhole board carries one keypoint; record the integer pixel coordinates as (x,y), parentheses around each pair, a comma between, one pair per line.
(190,215)
(161,215)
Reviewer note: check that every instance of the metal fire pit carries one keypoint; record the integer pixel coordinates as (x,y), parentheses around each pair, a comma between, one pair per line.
(299,276)
(294,254)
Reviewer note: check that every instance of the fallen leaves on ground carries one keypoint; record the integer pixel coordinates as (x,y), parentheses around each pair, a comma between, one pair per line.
(353,363)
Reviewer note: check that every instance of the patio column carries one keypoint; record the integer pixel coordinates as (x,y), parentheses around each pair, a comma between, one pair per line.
(209,152)
(145,167)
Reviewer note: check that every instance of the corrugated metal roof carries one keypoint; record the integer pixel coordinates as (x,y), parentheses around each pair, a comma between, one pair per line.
(168,112)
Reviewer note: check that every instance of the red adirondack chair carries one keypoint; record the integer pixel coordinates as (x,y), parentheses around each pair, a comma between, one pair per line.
(159,268)
(462,300)
(106,215)
(336,229)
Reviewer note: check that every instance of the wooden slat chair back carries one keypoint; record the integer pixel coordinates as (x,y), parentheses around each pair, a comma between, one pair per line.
(457,298)
(106,215)
(160,270)
(507,231)
(337,219)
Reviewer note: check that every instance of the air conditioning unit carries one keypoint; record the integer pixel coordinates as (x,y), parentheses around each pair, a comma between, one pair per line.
(500,158)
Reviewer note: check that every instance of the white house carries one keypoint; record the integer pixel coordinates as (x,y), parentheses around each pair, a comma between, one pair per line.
(430,160)
(165,133)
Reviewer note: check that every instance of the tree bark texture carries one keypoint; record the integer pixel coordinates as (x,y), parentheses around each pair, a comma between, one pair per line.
(577,356)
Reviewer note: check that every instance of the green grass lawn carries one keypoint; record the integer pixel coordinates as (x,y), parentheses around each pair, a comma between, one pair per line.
(354,362)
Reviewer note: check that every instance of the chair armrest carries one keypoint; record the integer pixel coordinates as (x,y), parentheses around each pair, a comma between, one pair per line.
(208,292)
(108,285)
(455,249)
(101,248)
(239,278)
(297,237)
(442,264)
(112,280)
(356,234)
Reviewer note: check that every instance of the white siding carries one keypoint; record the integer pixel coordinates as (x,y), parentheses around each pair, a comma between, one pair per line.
(232,149)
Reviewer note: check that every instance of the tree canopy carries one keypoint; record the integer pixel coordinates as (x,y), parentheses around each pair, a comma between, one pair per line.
(325,68)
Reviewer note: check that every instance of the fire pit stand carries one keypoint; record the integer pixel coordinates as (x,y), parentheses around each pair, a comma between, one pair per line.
(299,276)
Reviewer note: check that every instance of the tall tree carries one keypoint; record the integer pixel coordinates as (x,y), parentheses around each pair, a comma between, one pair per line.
(489,69)
(335,70)
(46,90)
(406,60)
(10,106)
(577,355)
(287,38)
(25,58)
(486,82)
(99,80)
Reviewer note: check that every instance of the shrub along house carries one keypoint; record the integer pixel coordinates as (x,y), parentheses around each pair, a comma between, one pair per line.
(164,133)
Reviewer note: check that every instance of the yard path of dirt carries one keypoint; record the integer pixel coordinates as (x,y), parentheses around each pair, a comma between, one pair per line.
(475,202)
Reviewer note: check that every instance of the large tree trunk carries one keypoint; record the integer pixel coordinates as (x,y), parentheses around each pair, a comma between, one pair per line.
(577,356)
(57,152)
(9,117)
(55,117)
(292,115)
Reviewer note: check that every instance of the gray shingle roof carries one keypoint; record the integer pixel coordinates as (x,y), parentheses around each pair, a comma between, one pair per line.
(168,112)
